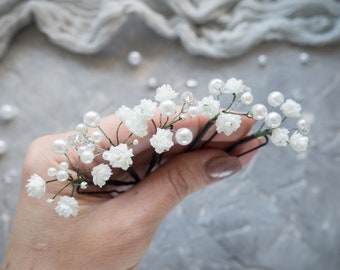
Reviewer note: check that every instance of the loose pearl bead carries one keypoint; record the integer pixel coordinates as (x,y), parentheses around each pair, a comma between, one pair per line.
(167,108)
(191,83)
(259,111)
(216,87)
(62,175)
(8,112)
(183,136)
(304,58)
(134,58)
(273,120)
(152,83)
(3,147)
(97,136)
(91,119)
(59,147)
(52,171)
(262,60)
(87,157)
(82,128)
(247,98)
(275,99)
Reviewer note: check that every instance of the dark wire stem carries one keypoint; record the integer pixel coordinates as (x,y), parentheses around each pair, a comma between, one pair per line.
(134,174)
(155,159)
(207,126)
(250,138)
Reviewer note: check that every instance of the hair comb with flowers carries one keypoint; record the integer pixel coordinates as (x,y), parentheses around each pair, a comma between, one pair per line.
(225,119)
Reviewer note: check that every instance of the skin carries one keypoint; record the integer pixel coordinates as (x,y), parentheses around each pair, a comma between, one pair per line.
(112,233)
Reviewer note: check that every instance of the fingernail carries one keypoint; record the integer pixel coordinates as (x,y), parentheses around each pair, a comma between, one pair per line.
(221,167)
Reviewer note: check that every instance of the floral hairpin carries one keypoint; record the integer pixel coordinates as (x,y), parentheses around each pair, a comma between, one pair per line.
(138,119)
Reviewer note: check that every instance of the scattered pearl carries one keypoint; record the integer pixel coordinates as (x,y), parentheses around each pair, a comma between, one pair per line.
(262,60)
(52,171)
(167,108)
(304,58)
(3,147)
(275,99)
(273,120)
(82,128)
(134,58)
(97,136)
(152,82)
(59,146)
(259,111)
(216,87)
(87,157)
(247,98)
(91,119)
(191,83)
(183,136)
(8,112)
(62,176)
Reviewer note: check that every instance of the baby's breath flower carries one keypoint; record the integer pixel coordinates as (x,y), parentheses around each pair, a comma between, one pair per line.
(227,123)
(165,92)
(162,140)
(192,111)
(234,86)
(298,142)
(137,125)
(91,119)
(280,137)
(275,99)
(124,113)
(208,106)
(291,108)
(36,186)
(101,174)
(67,206)
(167,108)
(146,109)
(216,87)
(119,156)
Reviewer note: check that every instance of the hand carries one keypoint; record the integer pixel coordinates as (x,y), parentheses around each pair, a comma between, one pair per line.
(112,233)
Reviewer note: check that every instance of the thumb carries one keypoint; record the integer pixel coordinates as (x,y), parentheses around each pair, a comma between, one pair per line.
(184,174)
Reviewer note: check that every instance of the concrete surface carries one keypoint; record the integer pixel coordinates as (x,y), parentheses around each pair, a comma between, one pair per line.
(281,212)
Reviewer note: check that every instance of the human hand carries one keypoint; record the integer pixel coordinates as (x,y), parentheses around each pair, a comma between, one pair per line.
(112,233)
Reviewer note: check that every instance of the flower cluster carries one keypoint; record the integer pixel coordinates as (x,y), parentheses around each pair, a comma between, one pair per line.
(157,118)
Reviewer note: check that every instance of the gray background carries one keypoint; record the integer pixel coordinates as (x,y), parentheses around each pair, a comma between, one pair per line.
(281,212)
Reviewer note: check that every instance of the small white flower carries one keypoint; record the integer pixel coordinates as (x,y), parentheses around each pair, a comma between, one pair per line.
(165,92)
(137,125)
(67,206)
(227,123)
(146,109)
(91,119)
(192,111)
(36,187)
(167,108)
(291,108)
(162,140)
(208,106)
(119,156)
(124,113)
(215,87)
(298,142)
(234,86)
(101,174)
(280,137)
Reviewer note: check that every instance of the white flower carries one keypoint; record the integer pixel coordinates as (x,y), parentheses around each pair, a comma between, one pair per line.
(298,142)
(208,106)
(146,109)
(67,206)
(167,107)
(234,86)
(119,156)
(227,123)
(291,108)
(36,186)
(101,174)
(280,137)
(137,125)
(215,87)
(162,140)
(124,113)
(165,92)
(192,111)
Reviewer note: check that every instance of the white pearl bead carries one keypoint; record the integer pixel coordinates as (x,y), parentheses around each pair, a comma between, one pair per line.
(8,112)
(304,58)
(63,165)
(134,58)
(262,60)
(59,147)
(275,99)
(183,136)
(97,136)
(192,111)
(303,126)
(247,98)
(81,128)
(259,111)
(52,171)
(87,157)
(91,119)
(273,120)
(191,83)
(62,175)
(3,147)
(216,87)
(152,83)
(84,185)
(135,142)
(167,108)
